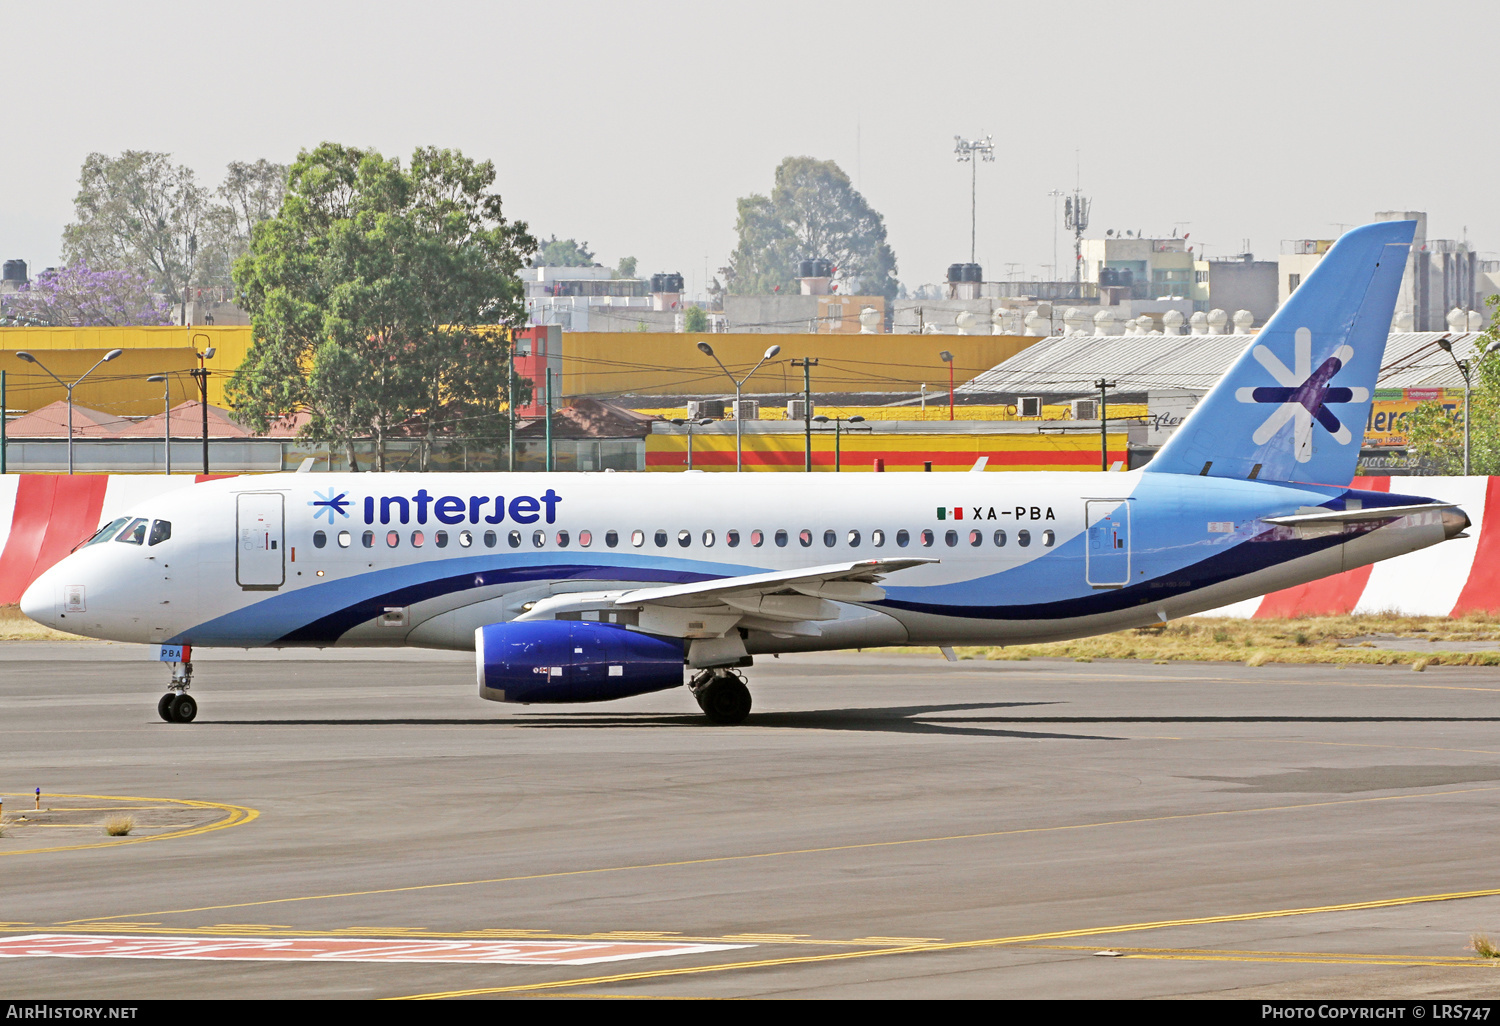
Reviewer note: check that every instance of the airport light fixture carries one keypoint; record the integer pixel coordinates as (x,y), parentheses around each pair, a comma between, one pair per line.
(1465,367)
(838,430)
(966,150)
(708,350)
(166,401)
(23,355)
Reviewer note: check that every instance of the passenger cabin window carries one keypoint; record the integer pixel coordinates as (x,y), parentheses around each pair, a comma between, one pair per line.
(1048,538)
(513,539)
(781,539)
(684,538)
(1023,538)
(585,538)
(489,539)
(368,539)
(902,538)
(757,539)
(976,538)
(853,538)
(660,538)
(877,538)
(708,539)
(611,538)
(562,539)
(440,539)
(637,538)
(345,539)
(1000,539)
(319,539)
(392,539)
(804,537)
(927,537)
(732,538)
(134,533)
(950,538)
(465,539)
(417,538)
(161,530)
(830,538)
(539,539)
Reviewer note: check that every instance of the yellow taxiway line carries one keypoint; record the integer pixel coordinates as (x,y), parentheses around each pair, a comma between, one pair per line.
(234,815)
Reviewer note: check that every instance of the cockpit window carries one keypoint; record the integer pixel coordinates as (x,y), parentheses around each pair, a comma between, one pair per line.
(134,533)
(107,532)
(161,530)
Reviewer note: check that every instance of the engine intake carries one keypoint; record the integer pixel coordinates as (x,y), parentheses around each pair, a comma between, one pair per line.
(572,661)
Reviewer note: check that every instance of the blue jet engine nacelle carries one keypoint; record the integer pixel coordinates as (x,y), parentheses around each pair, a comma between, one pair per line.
(572,661)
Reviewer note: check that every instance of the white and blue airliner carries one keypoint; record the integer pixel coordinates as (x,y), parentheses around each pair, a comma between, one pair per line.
(590,587)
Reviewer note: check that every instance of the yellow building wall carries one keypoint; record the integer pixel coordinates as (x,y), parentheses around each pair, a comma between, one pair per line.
(123,391)
(605,364)
(937,410)
(901,452)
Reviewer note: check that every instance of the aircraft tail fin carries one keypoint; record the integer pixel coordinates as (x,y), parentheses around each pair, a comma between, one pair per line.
(1294,405)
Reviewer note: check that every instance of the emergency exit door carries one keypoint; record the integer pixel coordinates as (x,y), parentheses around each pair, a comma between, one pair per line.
(260,552)
(1107,557)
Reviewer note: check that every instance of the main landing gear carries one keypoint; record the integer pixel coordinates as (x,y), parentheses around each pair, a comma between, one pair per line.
(721,694)
(177,706)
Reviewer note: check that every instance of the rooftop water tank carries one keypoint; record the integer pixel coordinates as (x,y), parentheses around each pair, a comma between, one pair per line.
(15,270)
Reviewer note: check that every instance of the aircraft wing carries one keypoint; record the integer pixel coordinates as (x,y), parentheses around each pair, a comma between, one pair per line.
(783,601)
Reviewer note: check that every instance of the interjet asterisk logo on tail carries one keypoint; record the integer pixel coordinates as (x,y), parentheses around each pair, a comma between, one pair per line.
(1301,395)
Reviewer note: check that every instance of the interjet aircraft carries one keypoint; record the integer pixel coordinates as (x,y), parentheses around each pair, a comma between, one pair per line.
(590,587)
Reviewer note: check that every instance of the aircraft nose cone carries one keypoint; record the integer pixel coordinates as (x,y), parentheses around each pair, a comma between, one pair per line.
(38,601)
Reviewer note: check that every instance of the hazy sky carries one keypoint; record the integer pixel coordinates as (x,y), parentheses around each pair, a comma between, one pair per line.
(636,126)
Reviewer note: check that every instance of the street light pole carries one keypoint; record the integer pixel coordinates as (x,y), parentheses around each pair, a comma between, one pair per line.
(167,414)
(679,421)
(807,364)
(947,358)
(838,422)
(23,355)
(1446,345)
(708,350)
(1104,387)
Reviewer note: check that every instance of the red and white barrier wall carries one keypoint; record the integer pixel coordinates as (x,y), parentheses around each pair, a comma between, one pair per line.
(43,516)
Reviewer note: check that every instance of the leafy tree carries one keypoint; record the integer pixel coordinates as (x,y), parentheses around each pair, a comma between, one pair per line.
(379,297)
(813,211)
(77,296)
(1437,434)
(139,212)
(694,319)
(557,252)
(625,268)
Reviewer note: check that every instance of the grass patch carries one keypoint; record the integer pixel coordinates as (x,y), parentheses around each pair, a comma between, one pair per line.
(119,826)
(1483,946)
(1336,640)
(17,626)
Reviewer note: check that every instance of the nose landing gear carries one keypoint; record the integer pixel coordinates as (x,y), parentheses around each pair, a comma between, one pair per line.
(177,706)
(722,695)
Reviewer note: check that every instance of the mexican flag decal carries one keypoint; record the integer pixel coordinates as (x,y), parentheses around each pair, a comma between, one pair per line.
(950,512)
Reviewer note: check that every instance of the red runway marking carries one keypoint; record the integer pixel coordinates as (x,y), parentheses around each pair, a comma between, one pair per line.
(342,949)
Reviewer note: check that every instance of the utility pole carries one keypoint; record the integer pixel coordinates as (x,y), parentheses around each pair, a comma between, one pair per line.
(965,150)
(548,412)
(202,375)
(807,365)
(1104,387)
(510,408)
(1055,193)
